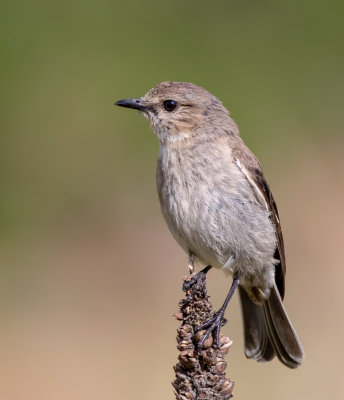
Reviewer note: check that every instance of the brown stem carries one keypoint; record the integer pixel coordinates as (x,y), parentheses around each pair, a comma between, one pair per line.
(200,373)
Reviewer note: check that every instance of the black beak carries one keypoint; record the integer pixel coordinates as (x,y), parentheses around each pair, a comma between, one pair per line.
(131,103)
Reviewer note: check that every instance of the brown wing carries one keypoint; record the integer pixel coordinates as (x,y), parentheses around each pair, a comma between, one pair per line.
(254,173)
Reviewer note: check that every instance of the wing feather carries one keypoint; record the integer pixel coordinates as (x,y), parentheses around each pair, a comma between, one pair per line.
(253,172)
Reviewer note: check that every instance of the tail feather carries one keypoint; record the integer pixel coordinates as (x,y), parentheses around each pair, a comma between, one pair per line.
(268,331)
(256,339)
(282,334)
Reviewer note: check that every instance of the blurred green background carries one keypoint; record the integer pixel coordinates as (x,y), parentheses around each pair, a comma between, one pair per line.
(90,275)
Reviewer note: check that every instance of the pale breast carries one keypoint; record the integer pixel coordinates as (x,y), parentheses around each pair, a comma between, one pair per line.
(210,207)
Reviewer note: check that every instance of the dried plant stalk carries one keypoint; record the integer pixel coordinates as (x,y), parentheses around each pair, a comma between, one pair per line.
(200,373)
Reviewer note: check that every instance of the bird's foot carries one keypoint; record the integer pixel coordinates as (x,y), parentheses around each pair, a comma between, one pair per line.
(214,324)
(194,284)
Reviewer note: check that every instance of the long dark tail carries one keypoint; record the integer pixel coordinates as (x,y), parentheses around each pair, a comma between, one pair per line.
(269,332)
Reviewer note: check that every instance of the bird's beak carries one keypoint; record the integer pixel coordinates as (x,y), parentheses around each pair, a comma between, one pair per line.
(132,103)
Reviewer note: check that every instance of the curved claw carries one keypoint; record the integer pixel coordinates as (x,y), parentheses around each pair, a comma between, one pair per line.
(213,324)
(196,283)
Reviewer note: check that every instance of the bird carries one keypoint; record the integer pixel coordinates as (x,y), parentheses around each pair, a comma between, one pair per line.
(220,209)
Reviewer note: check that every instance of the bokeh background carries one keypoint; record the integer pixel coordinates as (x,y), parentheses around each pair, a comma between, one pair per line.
(90,275)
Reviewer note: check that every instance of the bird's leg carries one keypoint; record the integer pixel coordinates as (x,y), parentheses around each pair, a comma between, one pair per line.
(215,323)
(191,264)
(195,282)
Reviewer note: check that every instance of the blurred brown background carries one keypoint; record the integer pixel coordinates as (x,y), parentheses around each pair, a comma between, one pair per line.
(90,275)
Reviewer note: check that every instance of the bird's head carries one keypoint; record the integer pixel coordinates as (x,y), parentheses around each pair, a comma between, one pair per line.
(178,111)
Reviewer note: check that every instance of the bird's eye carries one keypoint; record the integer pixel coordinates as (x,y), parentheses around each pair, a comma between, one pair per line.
(170,105)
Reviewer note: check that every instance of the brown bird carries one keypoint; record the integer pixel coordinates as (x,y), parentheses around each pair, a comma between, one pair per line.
(219,207)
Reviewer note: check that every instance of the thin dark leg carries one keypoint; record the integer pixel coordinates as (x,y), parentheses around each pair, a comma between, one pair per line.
(215,323)
(195,283)
(191,262)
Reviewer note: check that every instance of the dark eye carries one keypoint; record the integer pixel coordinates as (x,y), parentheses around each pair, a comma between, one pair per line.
(170,105)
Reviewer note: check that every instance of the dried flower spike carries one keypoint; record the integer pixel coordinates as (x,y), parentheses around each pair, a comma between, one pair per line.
(200,373)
